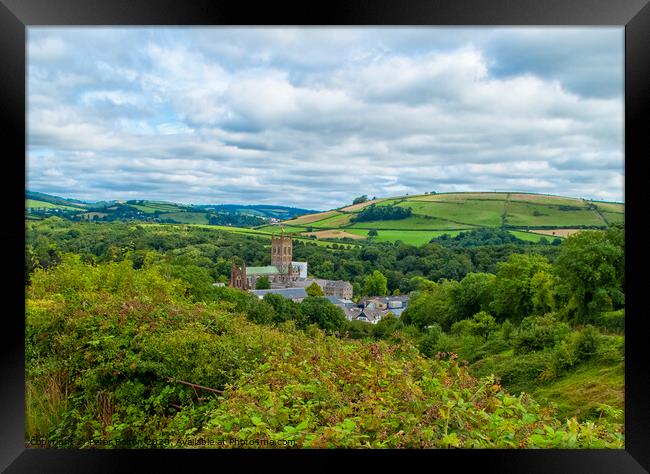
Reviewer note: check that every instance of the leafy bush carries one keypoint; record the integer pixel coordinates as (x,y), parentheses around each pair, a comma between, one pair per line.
(577,347)
(131,358)
(613,320)
(538,332)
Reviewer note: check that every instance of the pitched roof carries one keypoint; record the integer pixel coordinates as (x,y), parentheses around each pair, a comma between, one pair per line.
(286,292)
(373,314)
(337,283)
(268,270)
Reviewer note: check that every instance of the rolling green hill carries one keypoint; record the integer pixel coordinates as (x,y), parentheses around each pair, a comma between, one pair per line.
(41,206)
(526,215)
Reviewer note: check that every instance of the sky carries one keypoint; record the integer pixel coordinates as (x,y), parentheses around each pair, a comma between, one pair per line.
(313,117)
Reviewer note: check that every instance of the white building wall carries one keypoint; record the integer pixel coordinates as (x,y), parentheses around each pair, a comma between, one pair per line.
(302,266)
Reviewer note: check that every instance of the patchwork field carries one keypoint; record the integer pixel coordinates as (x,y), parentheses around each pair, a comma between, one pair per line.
(337,220)
(528,216)
(411,237)
(411,223)
(256,233)
(309,218)
(358,207)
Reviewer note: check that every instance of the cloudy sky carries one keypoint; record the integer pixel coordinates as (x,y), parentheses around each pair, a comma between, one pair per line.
(313,117)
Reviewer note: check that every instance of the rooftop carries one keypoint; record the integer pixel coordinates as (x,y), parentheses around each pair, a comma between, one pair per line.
(268,270)
(290,293)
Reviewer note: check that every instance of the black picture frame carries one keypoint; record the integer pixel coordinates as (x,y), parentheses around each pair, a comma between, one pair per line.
(17,15)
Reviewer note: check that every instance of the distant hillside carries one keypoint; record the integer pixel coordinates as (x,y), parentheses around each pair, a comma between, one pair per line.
(41,205)
(53,200)
(526,215)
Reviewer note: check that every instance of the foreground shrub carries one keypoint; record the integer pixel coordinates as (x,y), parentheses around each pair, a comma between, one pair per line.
(128,359)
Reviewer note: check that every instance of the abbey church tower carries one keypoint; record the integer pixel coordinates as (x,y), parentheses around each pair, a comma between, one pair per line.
(281,253)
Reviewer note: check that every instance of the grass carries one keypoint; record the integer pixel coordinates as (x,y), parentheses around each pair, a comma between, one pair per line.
(145,209)
(448,213)
(530,236)
(46,399)
(187,217)
(610,206)
(410,223)
(523,214)
(579,393)
(309,218)
(358,207)
(613,217)
(161,206)
(338,220)
(35,204)
(459,196)
(411,237)
(482,213)
(545,199)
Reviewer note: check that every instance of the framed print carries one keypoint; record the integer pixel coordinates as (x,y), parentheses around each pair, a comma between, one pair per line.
(357,233)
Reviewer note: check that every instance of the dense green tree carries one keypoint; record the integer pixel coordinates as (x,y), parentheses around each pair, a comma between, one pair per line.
(263,283)
(538,332)
(482,324)
(591,267)
(543,292)
(360,199)
(434,304)
(474,294)
(320,311)
(285,309)
(314,290)
(375,284)
(381,213)
(199,280)
(372,233)
(513,291)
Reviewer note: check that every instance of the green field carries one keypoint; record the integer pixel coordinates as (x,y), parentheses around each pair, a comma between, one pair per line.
(187,217)
(530,236)
(482,213)
(336,221)
(610,206)
(437,214)
(580,393)
(411,237)
(614,216)
(145,209)
(523,214)
(410,223)
(161,206)
(34,204)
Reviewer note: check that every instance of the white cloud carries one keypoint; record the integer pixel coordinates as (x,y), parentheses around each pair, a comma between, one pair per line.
(309,118)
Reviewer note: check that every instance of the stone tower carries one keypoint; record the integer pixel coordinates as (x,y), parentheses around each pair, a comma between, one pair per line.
(238,276)
(281,253)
